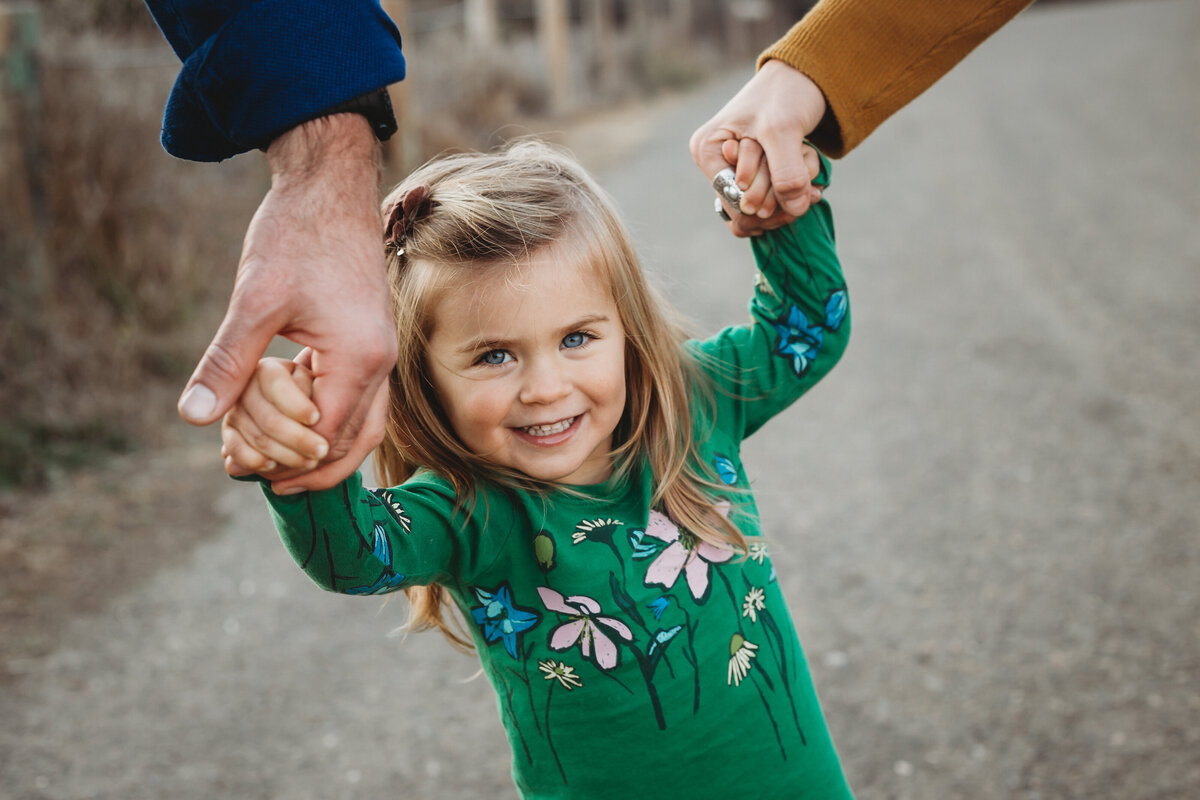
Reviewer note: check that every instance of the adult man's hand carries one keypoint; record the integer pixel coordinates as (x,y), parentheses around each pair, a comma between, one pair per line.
(777,108)
(312,270)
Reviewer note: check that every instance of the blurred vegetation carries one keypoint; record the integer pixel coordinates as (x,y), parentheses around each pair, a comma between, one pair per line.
(117,17)
(118,272)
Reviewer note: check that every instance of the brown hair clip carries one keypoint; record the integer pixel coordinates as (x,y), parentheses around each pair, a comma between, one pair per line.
(413,206)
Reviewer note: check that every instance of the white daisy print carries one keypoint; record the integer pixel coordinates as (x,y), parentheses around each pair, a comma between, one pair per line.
(741,653)
(753,603)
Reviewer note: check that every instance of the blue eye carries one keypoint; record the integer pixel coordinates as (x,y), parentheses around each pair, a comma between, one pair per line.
(495,357)
(575,340)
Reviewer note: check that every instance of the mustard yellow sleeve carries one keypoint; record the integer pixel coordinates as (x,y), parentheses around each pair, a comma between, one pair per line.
(872,57)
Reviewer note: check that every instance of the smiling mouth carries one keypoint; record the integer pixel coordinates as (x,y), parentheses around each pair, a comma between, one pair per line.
(550,430)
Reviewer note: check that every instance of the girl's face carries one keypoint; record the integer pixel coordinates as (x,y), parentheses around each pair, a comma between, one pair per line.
(529,365)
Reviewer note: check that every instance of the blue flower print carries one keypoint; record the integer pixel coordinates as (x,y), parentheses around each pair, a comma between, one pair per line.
(798,340)
(726,471)
(388,580)
(835,310)
(661,637)
(500,619)
(641,547)
(658,605)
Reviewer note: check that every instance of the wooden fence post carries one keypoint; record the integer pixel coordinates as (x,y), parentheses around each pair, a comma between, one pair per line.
(403,150)
(20,118)
(553,31)
(480,21)
(602,33)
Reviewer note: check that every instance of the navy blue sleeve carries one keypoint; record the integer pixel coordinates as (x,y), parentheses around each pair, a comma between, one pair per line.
(252,69)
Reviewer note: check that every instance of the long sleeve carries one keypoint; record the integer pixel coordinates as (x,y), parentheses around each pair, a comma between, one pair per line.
(873,57)
(252,69)
(799,323)
(353,540)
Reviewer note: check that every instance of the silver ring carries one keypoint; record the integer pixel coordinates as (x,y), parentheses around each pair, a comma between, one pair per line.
(726,185)
(720,209)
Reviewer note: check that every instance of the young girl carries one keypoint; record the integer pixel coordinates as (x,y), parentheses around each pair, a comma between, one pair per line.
(565,469)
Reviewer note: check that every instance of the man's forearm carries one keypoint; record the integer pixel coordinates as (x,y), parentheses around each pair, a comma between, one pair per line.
(344,140)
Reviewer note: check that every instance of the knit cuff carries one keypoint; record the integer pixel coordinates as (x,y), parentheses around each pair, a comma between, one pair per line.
(273,66)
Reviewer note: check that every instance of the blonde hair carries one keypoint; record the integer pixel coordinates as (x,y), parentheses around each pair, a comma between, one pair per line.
(480,212)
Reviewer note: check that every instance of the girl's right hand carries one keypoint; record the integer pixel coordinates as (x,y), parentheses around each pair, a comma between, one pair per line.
(268,431)
(760,210)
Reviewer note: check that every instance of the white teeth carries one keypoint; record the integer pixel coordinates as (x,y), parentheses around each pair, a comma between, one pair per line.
(549,430)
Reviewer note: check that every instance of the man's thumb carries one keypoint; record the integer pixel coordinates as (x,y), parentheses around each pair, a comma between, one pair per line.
(223,372)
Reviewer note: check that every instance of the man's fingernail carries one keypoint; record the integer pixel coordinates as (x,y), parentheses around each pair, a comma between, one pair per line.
(321,451)
(290,490)
(197,403)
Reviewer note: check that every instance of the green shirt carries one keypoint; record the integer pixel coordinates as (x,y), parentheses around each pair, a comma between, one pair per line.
(628,658)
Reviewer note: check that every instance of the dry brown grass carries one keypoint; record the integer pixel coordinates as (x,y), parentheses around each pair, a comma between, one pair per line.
(130,256)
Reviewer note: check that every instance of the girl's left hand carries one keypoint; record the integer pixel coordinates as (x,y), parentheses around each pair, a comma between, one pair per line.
(760,210)
(269,431)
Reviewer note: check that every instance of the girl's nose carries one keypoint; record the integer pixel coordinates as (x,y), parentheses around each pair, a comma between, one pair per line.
(545,382)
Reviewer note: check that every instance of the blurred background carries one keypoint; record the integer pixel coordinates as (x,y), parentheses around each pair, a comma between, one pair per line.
(990,535)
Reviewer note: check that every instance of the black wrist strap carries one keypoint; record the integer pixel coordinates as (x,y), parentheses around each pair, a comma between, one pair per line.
(376,106)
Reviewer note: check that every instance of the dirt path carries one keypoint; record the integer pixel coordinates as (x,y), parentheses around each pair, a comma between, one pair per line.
(986,518)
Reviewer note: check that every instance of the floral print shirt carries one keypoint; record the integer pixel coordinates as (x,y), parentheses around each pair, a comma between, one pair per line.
(629,658)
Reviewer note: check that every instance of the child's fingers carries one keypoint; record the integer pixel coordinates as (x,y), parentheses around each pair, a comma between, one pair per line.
(277,434)
(288,387)
(760,187)
(812,162)
(304,358)
(241,458)
(232,467)
(750,165)
(303,376)
(273,435)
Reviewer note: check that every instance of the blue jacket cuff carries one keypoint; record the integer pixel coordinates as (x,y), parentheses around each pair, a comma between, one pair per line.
(274,65)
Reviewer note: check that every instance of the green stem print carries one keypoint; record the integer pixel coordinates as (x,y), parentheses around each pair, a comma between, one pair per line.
(689,654)
(647,661)
(562,673)
(509,690)
(770,716)
(549,738)
(602,531)
(754,608)
(779,650)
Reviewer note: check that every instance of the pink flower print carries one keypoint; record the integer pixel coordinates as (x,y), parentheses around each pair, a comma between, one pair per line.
(584,628)
(684,553)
